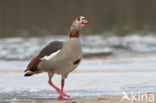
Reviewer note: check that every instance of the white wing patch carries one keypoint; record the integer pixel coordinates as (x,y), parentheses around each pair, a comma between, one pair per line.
(50,56)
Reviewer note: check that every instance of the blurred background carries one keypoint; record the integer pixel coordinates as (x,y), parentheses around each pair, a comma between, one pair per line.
(115,26)
(49,17)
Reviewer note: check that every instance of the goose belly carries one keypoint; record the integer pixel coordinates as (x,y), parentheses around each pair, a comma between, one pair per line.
(67,62)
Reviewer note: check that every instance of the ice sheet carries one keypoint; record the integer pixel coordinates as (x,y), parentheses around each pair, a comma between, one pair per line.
(94,77)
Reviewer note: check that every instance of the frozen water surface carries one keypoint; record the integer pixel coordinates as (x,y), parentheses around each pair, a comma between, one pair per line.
(14,85)
(93,77)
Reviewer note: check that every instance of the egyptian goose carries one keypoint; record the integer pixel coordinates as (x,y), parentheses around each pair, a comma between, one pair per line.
(59,57)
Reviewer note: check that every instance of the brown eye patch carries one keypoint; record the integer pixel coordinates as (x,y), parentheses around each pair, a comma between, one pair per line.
(78,18)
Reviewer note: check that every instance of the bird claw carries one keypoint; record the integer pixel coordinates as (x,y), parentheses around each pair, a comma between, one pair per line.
(62,98)
(66,95)
(62,93)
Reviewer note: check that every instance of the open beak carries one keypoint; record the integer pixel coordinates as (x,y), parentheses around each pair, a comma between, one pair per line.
(84,21)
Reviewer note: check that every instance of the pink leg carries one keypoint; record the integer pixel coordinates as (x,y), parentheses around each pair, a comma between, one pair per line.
(62,86)
(58,90)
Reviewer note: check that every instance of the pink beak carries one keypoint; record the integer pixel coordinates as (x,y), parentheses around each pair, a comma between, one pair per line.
(84,21)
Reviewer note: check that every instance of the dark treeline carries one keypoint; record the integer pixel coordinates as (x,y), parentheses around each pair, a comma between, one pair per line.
(40,17)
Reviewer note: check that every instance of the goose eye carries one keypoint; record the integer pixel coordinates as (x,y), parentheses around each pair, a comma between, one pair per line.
(78,18)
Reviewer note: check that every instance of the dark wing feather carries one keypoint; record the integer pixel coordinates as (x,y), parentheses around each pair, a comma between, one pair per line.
(50,48)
